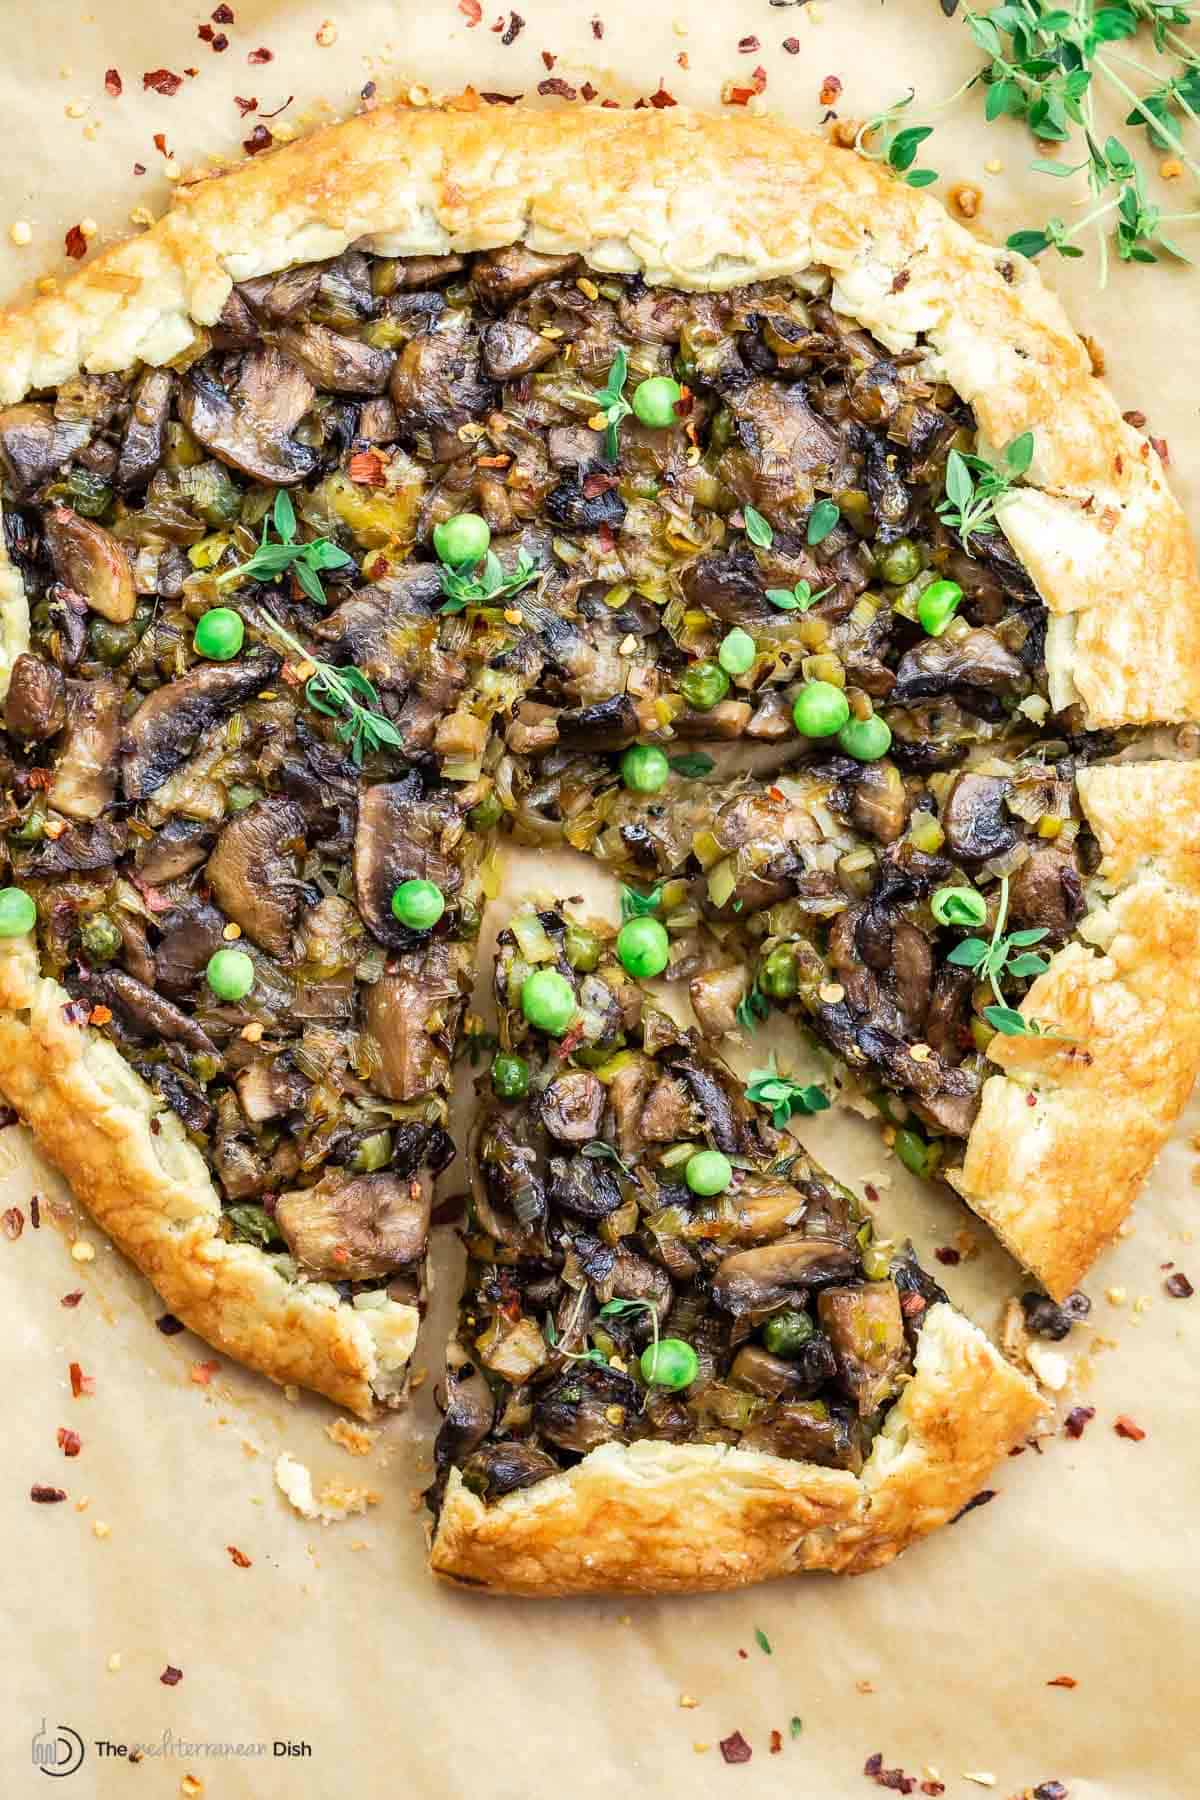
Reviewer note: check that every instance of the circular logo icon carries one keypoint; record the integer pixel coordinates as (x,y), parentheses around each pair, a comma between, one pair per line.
(60,1754)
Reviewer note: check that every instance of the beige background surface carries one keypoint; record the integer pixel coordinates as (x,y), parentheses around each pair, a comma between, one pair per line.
(1084,1565)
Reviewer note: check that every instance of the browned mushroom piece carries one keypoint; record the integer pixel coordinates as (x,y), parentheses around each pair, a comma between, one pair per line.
(267,1090)
(759,1280)
(1047,890)
(667,1114)
(511,349)
(499,276)
(148,1015)
(766,1207)
(571,1106)
(159,737)
(404,835)
(773,1377)
(409,272)
(84,781)
(176,848)
(35,706)
(253,872)
(189,939)
(866,1328)
(809,1431)
(410,1016)
(627,1092)
(277,298)
(505,1468)
(34,445)
(716,995)
(586,1406)
(334,362)
(974,818)
(386,629)
(91,562)
(437,386)
(780,448)
(977,660)
(250,425)
(878,801)
(355,1227)
(146,432)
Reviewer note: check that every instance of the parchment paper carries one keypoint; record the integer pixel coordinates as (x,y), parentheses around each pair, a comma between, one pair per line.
(335,1637)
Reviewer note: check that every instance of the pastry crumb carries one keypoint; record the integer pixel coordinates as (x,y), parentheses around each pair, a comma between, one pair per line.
(336,1499)
(1050,1366)
(981,1777)
(114,1662)
(100,1529)
(687,1701)
(82,1251)
(326,33)
(354,1438)
(21,232)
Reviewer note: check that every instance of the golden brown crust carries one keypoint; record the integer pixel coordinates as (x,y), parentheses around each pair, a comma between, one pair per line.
(1067,1133)
(700,202)
(661,1518)
(148,1187)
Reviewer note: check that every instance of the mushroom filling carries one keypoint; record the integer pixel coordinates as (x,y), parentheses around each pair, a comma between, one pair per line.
(406,548)
(650,1258)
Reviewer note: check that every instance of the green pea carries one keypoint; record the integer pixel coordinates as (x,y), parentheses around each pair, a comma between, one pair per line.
(486,815)
(219,634)
(786,1333)
(703,685)
(779,977)
(899,563)
(643,948)
(937,606)
(418,904)
(373,1153)
(230,974)
(959,906)
(510,1076)
(708,1172)
(865,739)
(670,1363)
(18,913)
(461,540)
(644,769)
(548,1001)
(737,652)
(655,400)
(581,948)
(820,709)
(99,938)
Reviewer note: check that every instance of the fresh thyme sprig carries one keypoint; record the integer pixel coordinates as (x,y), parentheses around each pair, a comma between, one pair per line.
(796,599)
(340,694)
(993,959)
(305,561)
(611,404)
(973,486)
(785,1097)
(466,586)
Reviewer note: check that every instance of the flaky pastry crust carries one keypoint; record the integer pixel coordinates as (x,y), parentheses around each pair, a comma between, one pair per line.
(687,1518)
(128,1159)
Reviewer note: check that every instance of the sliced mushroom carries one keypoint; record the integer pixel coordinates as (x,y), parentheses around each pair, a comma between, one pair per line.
(85,768)
(719,1120)
(410,1016)
(146,433)
(403,836)
(35,706)
(507,1193)
(148,1015)
(499,276)
(470,1410)
(667,1115)
(571,1106)
(335,363)
(773,1377)
(177,848)
(278,298)
(866,1328)
(572,507)
(585,1407)
(780,446)
(506,1468)
(160,735)
(91,562)
(185,949)
(81,847)
(974,818)
(437,386)
(584,1186)
(34,445)
(1047,890)
(878,801)
(976,661)
(716,995)
(809,1432)
(511,349)
(250,426)
(379,628)
(575,447)
(252,872)
(627,1092)
(762,1279)
(355,1227)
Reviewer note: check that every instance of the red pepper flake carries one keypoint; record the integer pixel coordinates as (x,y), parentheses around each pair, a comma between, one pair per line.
(745,1655)
(1164,450)
(1050,1790)
(171,1676)
(162,81)
(205,33)
(223,15)
(203,1372)
(81,1384)
(776,1743)
(160,143)
(471,11)
(260,139)
(260,56)
(933,1787)
(682,59)
(748,46)
(1179,1287)
(554,84)
(831,87)
(246,106)
(1063,1681)
(895,1779)
(597,483)
(46,1496)
(169,1325)
(13,1223)
(945,1253)
(219,43)
(72,1299)
(759,78)
(549,58)
(660,98)
(735,1749)
(139,168)
(792,46)
(912,1304)
(504,99)
(366,468)
(76,247)
(1136,419)
(100,1015)
(35,1211)
(597,28)
(69,1442)
(1077,1420)
(516,26)
(588,92)
(239,1556)
(113,84)
(1128,1428)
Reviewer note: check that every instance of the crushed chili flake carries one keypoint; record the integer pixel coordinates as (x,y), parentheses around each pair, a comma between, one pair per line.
(261,55)
(979,1499)
(1179,1287)
(748,46)
(1050,1790)
(588,91)
(100,1015)
(1136,419)
(169,1325)
(139,168)
(81,1384)
(549,58)
(162,81)
(1164,450)
(13,1223)
(1078,1419)
(205,33)
(745,1655)
(35,1211)
(203,1372)
(831,87)
(171,1676)
(792,46)
(219,43)
(160,143)
(260,139)
(76,247)
(72,1299)
(912,1304)
(660,98)
(246,106)
(683,60)
(513,30)
(776,1743)
(113,84)
(945,1253)
(239,1556)
(69,1442)
(471,11)
(1128,1428)
(46,1496)
(504,99)
(223,15)
(735,1749)
(366,468)
(1063,1681)
(554,84)
(597,28)
(933,1787)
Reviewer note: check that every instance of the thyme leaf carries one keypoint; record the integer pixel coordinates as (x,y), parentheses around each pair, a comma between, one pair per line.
(974,485)
(271,560)
(785,1097)
(485,583)
(344,694)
